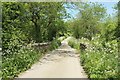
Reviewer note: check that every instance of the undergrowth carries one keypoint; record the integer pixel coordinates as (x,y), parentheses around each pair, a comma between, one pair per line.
(100,59)
(22,60)
(19,62)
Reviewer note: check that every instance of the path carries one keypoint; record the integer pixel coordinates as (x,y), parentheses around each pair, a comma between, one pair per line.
(60,63)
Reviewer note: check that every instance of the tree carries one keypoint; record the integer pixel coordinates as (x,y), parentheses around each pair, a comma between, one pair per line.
(47,19)
(117,33)
(88,18)
(13,34)
(26,22)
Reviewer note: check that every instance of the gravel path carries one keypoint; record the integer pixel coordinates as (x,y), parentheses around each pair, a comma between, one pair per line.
(60,63)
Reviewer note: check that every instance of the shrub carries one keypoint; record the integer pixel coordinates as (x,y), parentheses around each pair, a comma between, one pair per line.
(61,38)
(98,60)
(101,61)
(55,44)
(17,63)
(74,43)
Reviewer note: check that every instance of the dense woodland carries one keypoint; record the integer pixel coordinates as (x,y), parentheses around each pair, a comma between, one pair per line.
(25,23)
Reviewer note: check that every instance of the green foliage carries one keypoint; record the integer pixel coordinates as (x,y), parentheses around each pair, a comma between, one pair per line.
(101,62)
(74,43)
(61,38)
(47,19)
(17,63)
(13,35)
(0,64)
(23,23)
(100,35)
(108,28)
(55,44)
(42,21)
(117,30)
(98,60)
(0,37)
(87,21)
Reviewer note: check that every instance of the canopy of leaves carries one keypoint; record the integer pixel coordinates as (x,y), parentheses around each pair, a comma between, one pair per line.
(88,18)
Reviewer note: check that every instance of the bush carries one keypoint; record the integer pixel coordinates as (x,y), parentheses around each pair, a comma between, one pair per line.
(74,43)
(55,44)
(61,38)
(17,63)
(101,61)
(0,68)
(98,60)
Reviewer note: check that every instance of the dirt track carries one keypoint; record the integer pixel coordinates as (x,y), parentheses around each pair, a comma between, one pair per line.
(60,63)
